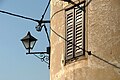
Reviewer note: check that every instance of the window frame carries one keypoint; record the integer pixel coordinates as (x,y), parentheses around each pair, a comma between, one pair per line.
(83,33)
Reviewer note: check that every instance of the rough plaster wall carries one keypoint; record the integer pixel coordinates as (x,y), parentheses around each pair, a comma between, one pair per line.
(57,44)
(103,38)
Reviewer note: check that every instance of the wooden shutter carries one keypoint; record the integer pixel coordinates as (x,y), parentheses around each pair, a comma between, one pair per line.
(69,33)
(79,30)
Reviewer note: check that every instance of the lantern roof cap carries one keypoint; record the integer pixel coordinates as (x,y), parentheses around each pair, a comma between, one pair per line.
(29,37)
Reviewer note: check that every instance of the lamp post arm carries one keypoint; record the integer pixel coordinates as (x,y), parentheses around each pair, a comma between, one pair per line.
(47,34)
(45,21)
(49,43)
(43,56)
(42,21)
(37,53)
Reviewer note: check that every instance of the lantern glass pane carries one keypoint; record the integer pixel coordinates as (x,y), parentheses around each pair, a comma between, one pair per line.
(32,43)
(26,44)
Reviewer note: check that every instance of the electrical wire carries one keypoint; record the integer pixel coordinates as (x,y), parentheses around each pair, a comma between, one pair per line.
(45,10)
(89,52)
(88,3)
(47,34)
(28,18)
(65,8)
(105,61)
(81,8)
(16,15)
(68,41)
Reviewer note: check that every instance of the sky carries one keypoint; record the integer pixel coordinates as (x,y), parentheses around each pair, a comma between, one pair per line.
(14,63)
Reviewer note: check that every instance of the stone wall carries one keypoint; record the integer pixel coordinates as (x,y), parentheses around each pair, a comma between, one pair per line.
(102,39)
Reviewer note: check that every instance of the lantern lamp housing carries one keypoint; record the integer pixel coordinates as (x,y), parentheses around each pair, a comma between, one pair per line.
(29,41)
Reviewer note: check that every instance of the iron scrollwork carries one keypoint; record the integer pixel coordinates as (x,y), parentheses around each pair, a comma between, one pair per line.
(43,57)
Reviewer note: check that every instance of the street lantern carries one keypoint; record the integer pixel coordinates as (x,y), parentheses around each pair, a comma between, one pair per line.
(28,41)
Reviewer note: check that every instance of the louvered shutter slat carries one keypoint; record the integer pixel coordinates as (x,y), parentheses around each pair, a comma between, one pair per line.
(69,34)
(79,22)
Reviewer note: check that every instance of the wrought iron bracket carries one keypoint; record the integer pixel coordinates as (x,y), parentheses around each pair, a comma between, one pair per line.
(43,56)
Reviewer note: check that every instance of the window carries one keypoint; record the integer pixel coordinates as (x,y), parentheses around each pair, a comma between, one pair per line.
(75,31)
